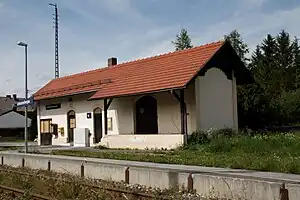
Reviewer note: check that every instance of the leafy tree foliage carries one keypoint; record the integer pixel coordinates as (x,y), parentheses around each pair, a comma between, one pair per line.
(183,41)
(274,97)
(241,48)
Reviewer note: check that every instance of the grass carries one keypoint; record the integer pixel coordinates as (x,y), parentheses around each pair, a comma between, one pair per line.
(275,152)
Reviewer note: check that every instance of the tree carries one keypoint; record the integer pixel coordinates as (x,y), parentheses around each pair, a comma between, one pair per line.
(241,48)
(183,40)
(248,97)
(296,62)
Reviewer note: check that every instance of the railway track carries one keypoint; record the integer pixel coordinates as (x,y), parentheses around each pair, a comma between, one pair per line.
(120,192)
(13,193)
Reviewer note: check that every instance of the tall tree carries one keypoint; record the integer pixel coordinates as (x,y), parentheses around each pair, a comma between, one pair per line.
(286,57)
(274,65)
(183,40)
(241,48)
(296,62)
(249,96)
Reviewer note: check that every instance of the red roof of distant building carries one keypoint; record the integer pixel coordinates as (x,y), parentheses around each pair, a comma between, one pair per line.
(168,71)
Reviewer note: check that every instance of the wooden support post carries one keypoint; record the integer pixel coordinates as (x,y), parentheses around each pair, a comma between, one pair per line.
(23,162)
(284,193)
(82,170)
(183,114)
(127,175)
(2,160)
(190,183)
(49,165)
(105,116)
(106,106)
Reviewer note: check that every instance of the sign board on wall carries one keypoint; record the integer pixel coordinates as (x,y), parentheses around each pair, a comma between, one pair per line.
(53,106)
(89,115)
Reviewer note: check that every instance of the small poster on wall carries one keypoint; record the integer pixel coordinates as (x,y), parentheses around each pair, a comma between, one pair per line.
(89,115)
(109,124)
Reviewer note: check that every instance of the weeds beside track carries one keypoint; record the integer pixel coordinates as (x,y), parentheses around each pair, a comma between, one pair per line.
(14,192)
(113,192)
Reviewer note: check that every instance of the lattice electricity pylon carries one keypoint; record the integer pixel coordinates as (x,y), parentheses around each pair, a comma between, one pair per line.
(56,39)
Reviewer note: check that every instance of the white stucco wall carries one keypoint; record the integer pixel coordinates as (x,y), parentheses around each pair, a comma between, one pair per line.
(216,101)
(216,107)
(122,110)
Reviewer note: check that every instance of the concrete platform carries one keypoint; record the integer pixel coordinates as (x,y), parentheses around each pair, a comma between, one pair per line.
(208,181)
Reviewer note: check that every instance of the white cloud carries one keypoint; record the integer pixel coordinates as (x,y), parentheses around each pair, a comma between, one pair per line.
(254,26)
(84,47)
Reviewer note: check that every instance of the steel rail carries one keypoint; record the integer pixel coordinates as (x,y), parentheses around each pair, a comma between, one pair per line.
(19,193)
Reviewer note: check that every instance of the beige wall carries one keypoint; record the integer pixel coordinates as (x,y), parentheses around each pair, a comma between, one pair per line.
(216,101)
(216,107)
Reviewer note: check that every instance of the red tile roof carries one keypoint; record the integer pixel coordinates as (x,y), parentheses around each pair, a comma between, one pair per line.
(167,71)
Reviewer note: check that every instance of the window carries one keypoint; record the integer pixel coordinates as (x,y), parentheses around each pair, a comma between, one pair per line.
(45,125)
(62,131)
(72,123)
(71,119)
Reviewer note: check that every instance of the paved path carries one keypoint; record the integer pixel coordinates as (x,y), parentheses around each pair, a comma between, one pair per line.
(16,144)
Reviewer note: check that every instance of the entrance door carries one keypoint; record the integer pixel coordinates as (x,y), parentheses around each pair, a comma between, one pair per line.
(146,115)
(45,129)
(97,124)
(71,125)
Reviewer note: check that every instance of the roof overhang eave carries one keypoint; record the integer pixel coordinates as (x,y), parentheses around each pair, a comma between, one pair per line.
(137,94)
(66,95)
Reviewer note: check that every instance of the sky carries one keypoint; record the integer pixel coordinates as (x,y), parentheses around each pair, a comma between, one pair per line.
(91,31)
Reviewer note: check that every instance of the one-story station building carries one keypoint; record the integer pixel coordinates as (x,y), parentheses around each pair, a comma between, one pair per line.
(148,103)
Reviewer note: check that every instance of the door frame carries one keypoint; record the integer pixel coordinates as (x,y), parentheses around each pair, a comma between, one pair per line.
(147,99)
(96,139)
(69,116)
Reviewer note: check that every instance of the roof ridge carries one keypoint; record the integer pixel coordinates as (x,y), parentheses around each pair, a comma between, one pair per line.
(142,59)
(168,53)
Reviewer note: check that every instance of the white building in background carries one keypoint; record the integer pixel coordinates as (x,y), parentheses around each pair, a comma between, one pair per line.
(147,103)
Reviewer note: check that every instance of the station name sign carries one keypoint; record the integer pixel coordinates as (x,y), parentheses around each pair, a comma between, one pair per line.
(53,106)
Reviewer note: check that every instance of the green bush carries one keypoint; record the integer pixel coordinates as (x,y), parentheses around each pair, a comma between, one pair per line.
(225,132)
(198,138)
(202,137)
(288,107)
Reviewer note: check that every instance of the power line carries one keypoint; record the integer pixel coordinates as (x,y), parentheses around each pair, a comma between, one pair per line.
(56,39)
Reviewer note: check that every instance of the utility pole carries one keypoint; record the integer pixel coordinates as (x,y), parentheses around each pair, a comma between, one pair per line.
(25,45)
(56,39)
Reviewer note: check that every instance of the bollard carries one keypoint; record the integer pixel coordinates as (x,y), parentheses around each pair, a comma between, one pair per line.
(23,162)
(284,193)
(2,160)
(49,165)
(190,183)
(127,175)
(82,170)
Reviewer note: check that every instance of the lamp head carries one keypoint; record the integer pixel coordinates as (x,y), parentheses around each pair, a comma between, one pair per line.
(23,44)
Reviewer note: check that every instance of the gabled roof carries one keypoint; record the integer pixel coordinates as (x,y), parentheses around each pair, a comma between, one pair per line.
(168,71)
(6,104)
(13,119)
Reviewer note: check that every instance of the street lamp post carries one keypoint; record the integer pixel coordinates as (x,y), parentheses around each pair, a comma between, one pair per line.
(26,94)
